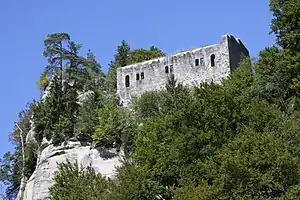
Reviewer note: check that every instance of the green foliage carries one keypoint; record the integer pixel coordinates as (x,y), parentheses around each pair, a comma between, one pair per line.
(140,55)
(277,78)
(273,77)
(148,105)
(31,153)
(88,116)
(235,140)
(124,56)
(184,147)
(134,184)
(155,103)
(56,116)
(55,52)
(116,127)
(47,113)
(285,23)
(11,173)
(94,77)
(74,182)
(11,164)
(120,60)
(252,166)
(43,82)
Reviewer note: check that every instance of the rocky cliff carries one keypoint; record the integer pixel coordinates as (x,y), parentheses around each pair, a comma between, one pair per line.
(102,160)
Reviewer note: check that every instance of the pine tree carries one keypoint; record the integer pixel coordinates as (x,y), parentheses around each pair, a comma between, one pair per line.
(120,60)
(55,53)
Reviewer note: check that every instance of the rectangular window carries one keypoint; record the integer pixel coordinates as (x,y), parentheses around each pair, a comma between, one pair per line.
(197,62)
(142,75)
(202,61)
(166,69)
(171,69)
(127,81)
(137,77)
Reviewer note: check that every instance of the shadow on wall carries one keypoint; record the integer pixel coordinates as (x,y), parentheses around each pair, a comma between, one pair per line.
(107,153)
(237,51)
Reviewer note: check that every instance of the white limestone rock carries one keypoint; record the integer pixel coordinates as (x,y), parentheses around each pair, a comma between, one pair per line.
(82,97)
(30,135)
(104,161)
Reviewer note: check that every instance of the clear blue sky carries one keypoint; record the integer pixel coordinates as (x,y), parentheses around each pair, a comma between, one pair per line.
(100,25)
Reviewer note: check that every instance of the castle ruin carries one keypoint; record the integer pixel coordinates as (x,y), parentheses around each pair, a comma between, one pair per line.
(211,63)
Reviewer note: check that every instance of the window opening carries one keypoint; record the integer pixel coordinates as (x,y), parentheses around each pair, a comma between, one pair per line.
(142,75)
(137,77)
(212,60)
(171,69)
(197,62)
(127,81)
(166,69)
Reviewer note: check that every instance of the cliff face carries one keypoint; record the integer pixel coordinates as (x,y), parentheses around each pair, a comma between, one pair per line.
(102,160)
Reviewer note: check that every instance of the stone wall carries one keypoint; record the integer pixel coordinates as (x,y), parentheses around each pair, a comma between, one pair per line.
(236,49)
(153,74)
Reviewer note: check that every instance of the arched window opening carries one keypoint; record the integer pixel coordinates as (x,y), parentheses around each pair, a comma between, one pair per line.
(127,81)
(166,69)
(142,75)
(197,62)
(212,60)
(137,77)
(171,69)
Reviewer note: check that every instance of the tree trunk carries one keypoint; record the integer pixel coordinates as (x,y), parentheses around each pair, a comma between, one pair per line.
(23,180)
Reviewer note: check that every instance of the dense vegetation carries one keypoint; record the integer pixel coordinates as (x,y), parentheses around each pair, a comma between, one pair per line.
(238,140)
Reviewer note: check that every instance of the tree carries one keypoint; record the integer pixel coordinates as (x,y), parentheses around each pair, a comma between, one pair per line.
(124,56)
(251,166)
(120,60)
(285,23)
(55,52)
(149,105)
(94,72)
(11,173)
(173,145)
(12,169)
(140,55)
(74,182)
(88,116)
(56,115)
(47,113)
(131,183)
(116,128)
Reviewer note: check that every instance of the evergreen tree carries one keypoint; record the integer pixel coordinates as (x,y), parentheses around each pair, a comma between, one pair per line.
(55,49)
(96,76)
(120,60)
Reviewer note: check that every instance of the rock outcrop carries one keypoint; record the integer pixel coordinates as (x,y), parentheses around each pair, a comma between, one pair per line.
(102,160)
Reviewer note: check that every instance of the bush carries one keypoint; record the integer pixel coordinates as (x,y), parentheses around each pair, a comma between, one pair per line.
(78,183)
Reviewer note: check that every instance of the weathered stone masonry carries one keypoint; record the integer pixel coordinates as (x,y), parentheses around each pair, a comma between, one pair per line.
(191,67)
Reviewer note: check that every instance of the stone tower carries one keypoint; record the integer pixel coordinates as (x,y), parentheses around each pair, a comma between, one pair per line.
(210,63)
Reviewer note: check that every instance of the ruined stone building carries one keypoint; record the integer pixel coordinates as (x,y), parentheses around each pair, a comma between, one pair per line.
(210,63)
